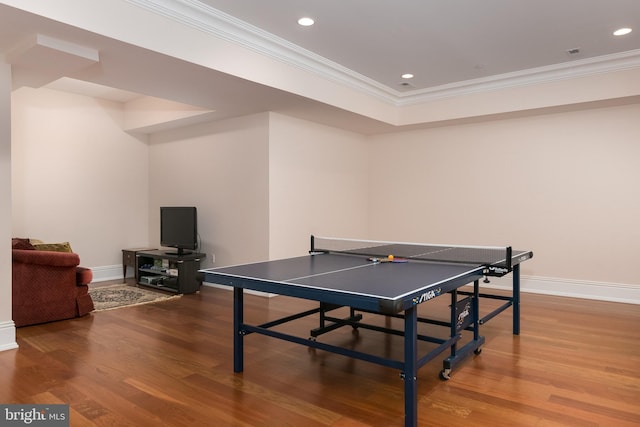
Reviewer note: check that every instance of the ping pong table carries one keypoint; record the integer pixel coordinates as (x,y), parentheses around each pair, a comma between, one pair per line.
(380,278)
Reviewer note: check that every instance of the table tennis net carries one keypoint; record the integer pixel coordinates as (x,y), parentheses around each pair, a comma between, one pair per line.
(474,255)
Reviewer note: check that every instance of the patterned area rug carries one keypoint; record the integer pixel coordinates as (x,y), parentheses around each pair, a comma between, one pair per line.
(118,296)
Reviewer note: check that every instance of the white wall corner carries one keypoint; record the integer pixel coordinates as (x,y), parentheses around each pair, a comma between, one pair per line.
(8,336)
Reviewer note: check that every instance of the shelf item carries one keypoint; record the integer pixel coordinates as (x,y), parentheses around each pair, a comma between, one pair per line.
(170,272)
(129,260)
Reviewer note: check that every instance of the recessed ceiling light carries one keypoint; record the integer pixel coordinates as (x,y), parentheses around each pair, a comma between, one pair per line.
(306,21)
(622,31)
(407,76)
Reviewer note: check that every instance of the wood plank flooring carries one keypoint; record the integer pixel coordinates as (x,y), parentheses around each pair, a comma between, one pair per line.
(576,363)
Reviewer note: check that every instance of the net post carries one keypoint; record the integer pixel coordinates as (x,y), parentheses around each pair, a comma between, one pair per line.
(509,258)
(313,246)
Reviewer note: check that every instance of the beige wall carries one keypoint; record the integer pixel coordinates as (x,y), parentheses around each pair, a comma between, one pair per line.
(77,176)
(563,185)
(222,169)
(317,184)
(566,186)
(262,184)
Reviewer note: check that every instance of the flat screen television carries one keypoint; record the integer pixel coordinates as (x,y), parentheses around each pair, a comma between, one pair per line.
(179,228)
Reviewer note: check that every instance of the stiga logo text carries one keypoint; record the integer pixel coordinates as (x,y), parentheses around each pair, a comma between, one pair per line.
(38,415)
(427,296)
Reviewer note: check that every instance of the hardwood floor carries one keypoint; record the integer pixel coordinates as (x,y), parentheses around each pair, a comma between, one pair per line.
(576,363)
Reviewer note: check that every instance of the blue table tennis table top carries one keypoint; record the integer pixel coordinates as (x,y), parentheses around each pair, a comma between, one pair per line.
(352,280)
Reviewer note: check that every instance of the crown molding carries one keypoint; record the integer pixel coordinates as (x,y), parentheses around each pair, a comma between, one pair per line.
(211,21)
(226,27)
(568,70)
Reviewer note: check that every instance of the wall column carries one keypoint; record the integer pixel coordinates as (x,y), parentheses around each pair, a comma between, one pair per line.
(7,327)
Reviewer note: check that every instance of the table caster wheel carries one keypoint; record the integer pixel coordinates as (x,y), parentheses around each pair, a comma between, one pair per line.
(445,374)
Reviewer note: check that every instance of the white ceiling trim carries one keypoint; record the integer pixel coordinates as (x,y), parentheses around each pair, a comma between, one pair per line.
(574,69)
(226,27)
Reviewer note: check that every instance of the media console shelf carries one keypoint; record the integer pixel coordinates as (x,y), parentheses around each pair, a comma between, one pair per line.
(161,269)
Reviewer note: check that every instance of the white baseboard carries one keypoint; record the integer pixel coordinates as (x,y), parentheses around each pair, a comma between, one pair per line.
(8,336)
(109,272)
(602,291)
(614,292)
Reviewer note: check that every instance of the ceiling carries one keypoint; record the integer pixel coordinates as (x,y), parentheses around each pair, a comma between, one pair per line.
(445,44)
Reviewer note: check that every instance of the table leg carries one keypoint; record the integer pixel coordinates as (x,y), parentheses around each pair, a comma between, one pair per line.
(410,367)
(453,320)
(476,310)
(516,299)
(238,333)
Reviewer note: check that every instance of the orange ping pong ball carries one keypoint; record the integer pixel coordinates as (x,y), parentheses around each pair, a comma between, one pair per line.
(390,257)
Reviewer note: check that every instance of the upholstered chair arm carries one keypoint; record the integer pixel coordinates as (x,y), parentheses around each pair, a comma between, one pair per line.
(84,276)
(58,259)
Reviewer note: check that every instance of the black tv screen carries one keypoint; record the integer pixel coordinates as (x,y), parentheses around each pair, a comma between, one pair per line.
(179,228)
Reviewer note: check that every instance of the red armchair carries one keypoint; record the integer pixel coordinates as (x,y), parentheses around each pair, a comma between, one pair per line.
(49,286)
